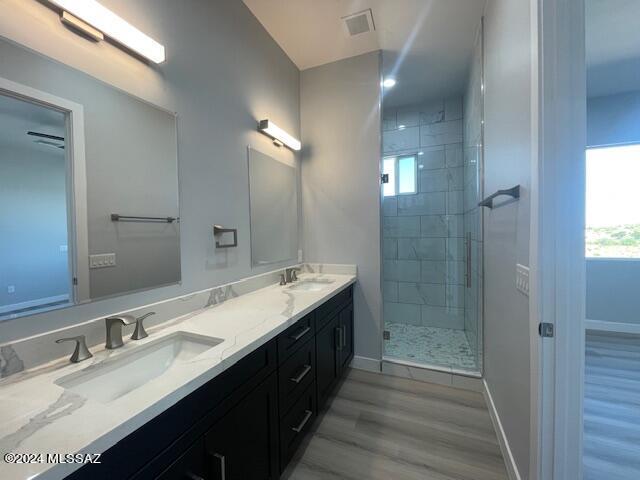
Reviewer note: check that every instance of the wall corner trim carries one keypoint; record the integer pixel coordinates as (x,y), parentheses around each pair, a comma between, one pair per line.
(367,364)
(509,460)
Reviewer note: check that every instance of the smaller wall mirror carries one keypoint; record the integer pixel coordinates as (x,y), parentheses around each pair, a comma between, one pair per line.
(273,190)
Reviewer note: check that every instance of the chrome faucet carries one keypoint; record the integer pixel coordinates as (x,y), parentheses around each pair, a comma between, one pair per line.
(290,274)
(81,352)
(114,329)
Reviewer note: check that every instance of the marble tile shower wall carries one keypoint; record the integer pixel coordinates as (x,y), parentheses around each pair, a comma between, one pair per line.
(423,233)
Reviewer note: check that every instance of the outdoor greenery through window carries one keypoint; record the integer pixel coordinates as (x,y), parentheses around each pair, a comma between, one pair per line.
(613,208)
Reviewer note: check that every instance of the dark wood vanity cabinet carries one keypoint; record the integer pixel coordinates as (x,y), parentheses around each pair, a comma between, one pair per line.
(246,423)
(334,348)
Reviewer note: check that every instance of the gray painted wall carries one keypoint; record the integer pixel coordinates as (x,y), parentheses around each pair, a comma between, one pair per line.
(508,44)
(223,73)
(612,290)
(612,284)
(33,222)
(340,115)
(613,119)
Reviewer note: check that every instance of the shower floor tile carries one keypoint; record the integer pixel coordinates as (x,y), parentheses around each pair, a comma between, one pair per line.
(430,345)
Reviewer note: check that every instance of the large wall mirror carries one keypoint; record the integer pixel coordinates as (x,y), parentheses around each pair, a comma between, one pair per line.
(88,188)
(273,188)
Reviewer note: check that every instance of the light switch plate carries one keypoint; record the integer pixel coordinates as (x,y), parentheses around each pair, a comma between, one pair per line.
(102,260)
(522,279)
(11,289)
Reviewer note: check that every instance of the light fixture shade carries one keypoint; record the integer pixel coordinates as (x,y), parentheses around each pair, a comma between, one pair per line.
(271,129)
(114,27)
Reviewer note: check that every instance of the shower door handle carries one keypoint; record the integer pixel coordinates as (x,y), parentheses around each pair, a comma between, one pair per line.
(468,260)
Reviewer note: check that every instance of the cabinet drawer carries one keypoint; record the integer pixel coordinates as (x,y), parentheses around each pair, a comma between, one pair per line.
(296,374)
(295,424)
(295,336)
(327,310)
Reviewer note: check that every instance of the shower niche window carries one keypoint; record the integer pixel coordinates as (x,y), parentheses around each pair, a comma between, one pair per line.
(432,225)
(400,176)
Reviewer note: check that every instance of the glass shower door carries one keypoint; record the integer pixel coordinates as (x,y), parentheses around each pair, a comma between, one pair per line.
(432,228)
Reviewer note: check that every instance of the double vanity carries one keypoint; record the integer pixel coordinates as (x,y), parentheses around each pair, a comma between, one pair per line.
(225,392)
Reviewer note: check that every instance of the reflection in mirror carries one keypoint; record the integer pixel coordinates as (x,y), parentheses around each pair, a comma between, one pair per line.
(77,158)
(34,242)
(274,209)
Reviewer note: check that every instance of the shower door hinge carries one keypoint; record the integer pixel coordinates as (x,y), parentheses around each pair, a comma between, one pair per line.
(384,178)
(75,281)
(386,335)
(546,330)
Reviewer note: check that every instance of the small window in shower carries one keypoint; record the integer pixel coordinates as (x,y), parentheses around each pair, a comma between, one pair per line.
(612,216)
(403,178)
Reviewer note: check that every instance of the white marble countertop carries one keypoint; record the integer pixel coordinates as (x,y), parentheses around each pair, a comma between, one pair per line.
(39,417)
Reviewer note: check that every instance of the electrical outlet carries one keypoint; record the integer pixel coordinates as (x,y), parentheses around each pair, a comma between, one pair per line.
(64,248)
(11,289)
(522,279)
(299,256)
(102,260)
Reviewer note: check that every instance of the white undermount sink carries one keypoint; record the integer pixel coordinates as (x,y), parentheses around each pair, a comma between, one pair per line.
(311,285)
(112,379)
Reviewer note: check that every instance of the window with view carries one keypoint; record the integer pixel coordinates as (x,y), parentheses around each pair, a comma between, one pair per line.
(402,175)
(612,206)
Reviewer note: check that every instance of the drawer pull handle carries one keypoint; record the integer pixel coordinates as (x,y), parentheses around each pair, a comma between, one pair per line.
(223,466)
(301,333)
(305,370)
(307,416)
(338,338)
(344,336)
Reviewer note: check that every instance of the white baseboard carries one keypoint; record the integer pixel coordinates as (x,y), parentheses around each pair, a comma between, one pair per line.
(366,363)
(616,327)
(510,463)
(33,303)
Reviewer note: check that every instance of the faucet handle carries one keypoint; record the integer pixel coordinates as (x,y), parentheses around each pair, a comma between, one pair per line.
(139,333)
(81,352)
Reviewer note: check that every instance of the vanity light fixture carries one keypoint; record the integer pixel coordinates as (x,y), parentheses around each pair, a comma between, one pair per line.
(104,21)
(279,135)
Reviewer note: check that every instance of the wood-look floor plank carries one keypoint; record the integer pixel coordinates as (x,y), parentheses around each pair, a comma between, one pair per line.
(381,427)
(612,407)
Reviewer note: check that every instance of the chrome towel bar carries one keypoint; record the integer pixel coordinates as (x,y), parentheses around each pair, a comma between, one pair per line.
(116,217)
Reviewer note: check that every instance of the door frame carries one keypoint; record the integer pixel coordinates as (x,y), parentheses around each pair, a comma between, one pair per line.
(557,241)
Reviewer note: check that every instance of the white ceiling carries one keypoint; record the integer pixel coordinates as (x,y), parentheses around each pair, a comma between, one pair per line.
(613,46)
(427,44)
(18,117)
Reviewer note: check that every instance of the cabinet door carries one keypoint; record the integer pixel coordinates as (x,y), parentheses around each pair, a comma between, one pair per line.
(327,361)
(243,445)
(346,336)
(190,466)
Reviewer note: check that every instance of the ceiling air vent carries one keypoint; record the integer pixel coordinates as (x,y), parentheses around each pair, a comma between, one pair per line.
(361,22)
